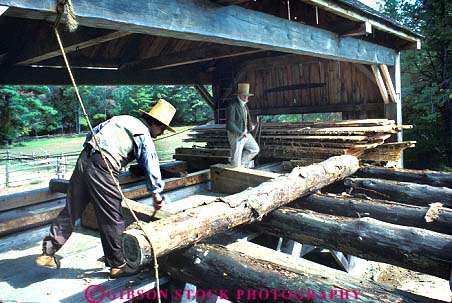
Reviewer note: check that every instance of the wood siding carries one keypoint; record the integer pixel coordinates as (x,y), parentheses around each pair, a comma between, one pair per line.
(337,87)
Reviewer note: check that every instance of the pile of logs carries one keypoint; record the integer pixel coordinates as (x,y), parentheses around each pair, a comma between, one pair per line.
(313,142)
(395,232)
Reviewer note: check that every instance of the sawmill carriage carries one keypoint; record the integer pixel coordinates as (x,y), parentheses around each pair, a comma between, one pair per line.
(307,56)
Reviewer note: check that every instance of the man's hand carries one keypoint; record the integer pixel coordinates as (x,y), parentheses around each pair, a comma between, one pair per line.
(158,201)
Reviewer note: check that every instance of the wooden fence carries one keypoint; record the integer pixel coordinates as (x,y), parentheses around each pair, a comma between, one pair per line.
(18,169)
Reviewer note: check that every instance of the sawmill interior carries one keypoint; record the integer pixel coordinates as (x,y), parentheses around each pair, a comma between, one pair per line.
(267,228)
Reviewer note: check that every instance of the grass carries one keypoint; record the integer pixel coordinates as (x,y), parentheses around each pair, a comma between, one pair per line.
(165,145)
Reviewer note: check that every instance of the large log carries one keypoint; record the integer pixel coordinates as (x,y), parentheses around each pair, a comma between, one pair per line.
(409,247)
(186,228)
(434,178)
(404,192)
(387,211)
(247,272)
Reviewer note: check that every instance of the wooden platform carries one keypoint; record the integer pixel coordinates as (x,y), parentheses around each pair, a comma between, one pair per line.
(22,281)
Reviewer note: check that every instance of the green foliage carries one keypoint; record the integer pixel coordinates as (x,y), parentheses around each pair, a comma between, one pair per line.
(426,77)
(23,110)
(38,110)
(315,117)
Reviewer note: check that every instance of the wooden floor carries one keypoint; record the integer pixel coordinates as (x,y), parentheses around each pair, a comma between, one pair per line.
(22,281)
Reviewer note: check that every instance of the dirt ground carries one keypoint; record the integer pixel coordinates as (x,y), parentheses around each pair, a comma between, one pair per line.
(404,279)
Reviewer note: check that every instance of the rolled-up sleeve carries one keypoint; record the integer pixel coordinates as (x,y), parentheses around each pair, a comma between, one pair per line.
(147,158)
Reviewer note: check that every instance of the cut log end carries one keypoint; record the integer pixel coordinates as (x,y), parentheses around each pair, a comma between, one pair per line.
(136,248)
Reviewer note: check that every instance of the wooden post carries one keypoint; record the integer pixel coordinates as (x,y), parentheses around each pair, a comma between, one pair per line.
(186,228)
(7,169)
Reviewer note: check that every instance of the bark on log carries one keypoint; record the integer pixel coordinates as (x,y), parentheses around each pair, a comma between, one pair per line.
(183,229)
(247,272)
(409,247)
(404,192)
(434,178)
(387,211)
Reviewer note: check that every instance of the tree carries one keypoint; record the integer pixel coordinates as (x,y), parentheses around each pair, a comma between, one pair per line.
(426,77)
(25,109)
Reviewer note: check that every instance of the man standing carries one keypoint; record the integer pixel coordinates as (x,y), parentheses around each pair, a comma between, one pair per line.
(239,125)
(121,139)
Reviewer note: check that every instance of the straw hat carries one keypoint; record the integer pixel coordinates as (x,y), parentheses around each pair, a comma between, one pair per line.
(243,89)
(163,112)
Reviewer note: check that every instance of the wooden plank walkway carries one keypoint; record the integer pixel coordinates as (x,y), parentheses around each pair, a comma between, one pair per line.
(22,281)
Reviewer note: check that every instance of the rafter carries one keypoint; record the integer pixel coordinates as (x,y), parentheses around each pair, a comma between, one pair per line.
(52,51)
(85,76)
(202,20)
(188,57)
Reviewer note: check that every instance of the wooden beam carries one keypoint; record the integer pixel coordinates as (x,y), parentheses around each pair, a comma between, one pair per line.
(60,76)
(36,196)
(199,223)
(30,216)
(248,272)
(205,95)
(70,46)
(203,20)
(387,79)
(352,14)
(408,247)
(38,211)
(229,180)
(364,28)
(380,83)
(196,55)
(366,72)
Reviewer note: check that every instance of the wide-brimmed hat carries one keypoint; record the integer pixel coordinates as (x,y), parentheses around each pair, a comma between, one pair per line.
(243,89)
(163,112)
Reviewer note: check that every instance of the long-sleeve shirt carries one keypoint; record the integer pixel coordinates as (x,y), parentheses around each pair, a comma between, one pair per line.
(124,138)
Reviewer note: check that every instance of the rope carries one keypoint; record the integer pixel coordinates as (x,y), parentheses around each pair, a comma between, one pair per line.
(72,23)
(116,182)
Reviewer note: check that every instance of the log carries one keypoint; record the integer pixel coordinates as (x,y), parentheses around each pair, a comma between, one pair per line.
(387,211)
(429,177)
(247,272)
(183,229)
(404,192)
(408,247)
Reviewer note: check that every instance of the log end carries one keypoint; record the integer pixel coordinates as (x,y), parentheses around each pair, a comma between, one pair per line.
(136,248)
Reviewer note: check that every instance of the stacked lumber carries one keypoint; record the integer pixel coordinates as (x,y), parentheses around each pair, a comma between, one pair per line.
(314,141)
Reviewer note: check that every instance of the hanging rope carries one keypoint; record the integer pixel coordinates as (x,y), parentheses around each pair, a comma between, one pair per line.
(71,23)
(115,181)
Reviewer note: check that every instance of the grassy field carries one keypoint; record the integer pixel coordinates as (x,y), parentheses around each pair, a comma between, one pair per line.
(165,145)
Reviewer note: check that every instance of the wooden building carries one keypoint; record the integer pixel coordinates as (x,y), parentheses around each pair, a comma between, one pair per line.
(304,56)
